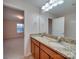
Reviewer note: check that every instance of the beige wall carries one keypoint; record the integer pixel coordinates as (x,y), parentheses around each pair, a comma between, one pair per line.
(10,29)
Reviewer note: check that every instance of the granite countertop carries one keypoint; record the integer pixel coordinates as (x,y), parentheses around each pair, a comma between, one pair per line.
(64,48)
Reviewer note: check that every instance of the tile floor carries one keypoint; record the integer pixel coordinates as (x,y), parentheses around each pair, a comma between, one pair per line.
(13,48)
(29,57)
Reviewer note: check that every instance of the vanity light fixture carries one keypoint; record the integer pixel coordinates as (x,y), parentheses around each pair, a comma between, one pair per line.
(46,6)
(51,4)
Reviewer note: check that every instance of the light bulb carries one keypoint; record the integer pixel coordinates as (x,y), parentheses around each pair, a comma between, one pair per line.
(51,1)
(46,5)
(61,2)
(43,7)
(55,4)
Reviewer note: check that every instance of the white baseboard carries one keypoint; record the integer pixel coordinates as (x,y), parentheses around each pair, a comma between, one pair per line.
(28,54)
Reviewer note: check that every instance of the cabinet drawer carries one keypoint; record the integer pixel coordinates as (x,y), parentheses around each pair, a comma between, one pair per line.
(53,54)
(36,42)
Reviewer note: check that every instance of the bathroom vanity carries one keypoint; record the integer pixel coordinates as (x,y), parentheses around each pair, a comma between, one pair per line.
(48,48)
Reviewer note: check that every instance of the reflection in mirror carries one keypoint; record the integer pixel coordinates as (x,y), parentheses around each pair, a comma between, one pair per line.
(64,21)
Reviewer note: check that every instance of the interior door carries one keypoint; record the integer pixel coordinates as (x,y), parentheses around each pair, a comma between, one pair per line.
(50,26)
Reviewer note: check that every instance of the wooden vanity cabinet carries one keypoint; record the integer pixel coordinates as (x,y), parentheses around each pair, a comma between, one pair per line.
(35,48)
(36,52)
(50,58)
(32,48)
(51,53)
(40,51)
(43,55)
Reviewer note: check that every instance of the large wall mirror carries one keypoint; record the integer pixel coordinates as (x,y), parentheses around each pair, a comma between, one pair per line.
(64,21)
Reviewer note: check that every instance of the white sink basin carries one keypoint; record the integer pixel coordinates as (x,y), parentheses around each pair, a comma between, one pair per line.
(56,44)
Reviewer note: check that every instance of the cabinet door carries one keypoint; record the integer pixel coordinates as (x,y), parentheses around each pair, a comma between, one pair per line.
(36,52)
(51,58)
(43,55)
(32,47)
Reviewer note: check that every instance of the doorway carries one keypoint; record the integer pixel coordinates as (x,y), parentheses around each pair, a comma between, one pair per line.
(49,26)
(13,33)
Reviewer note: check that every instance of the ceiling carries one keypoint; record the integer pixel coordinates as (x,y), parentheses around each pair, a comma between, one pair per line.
(11,14)
(69,6)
